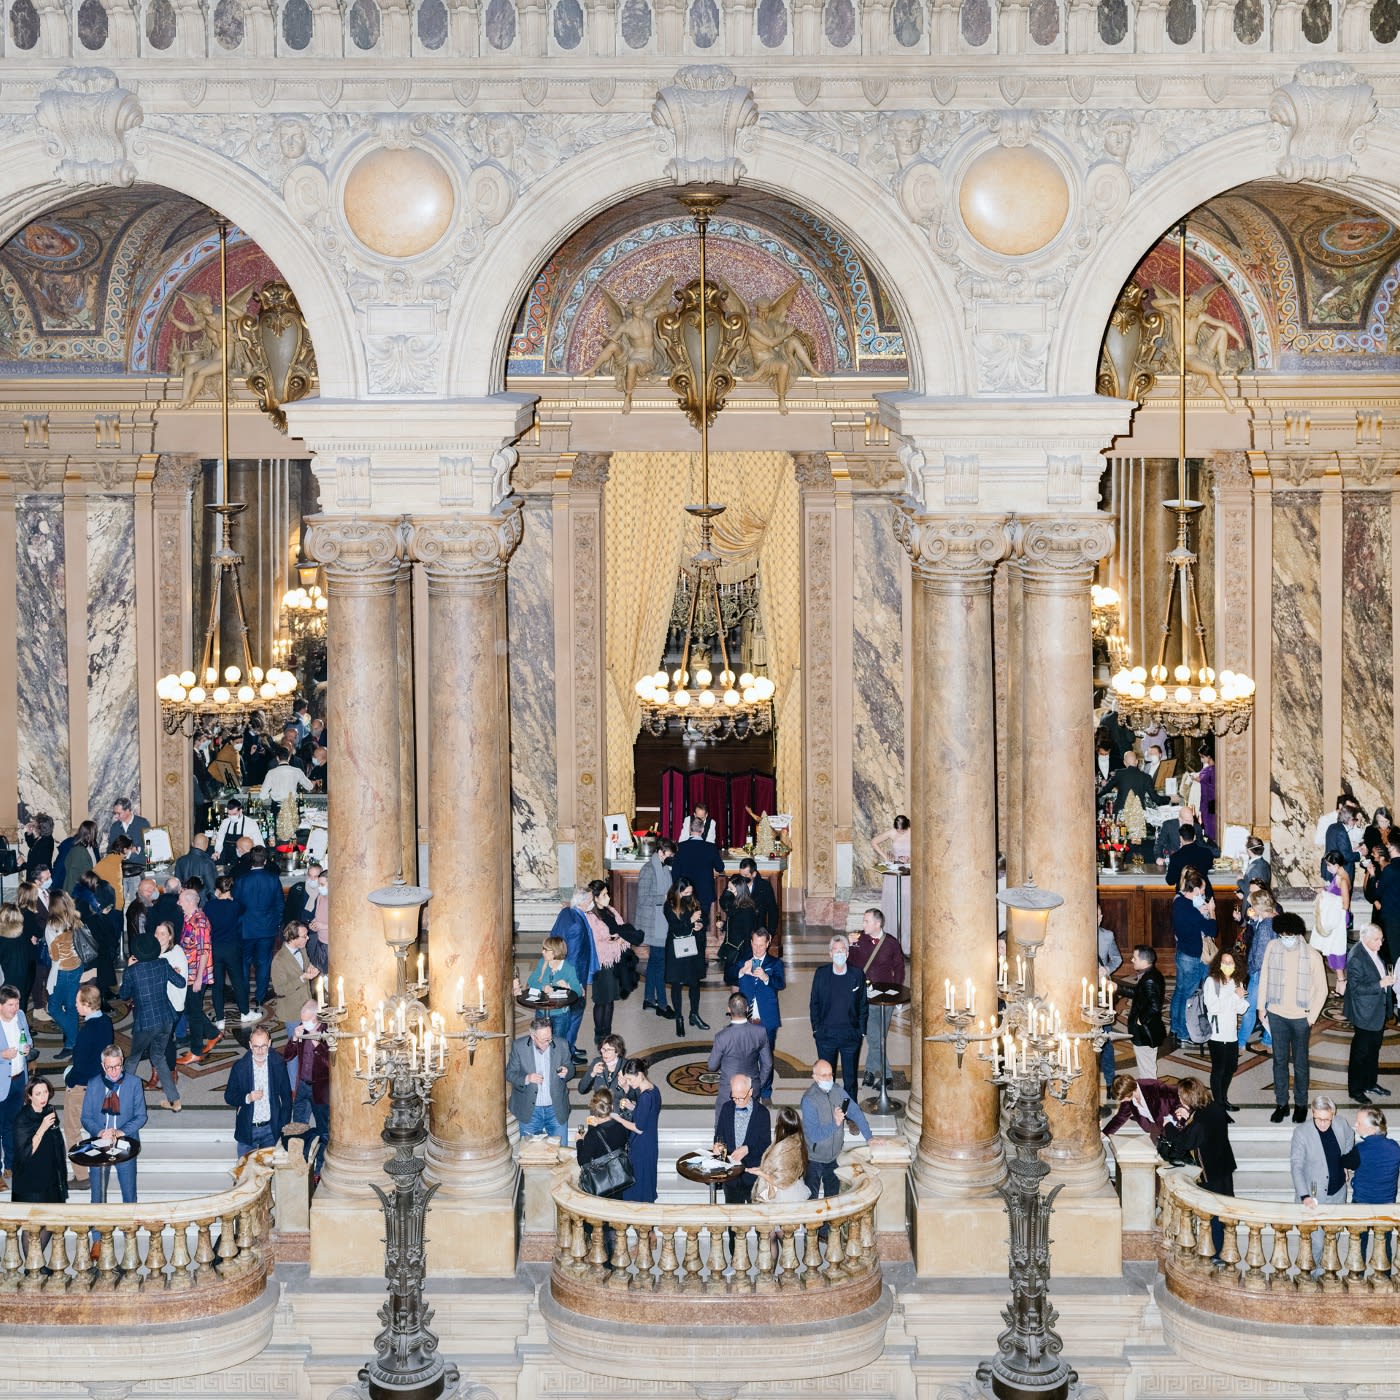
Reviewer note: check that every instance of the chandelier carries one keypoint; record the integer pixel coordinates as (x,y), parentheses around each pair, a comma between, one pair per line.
(1106,622)
(1188,699)
(202,696)
(714,703)
(304,607)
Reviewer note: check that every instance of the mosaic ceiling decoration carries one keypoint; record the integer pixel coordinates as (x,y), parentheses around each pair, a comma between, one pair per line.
(760,249)
(97,286)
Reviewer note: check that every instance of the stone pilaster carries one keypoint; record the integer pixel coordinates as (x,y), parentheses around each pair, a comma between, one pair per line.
(360,557)
(958,1161)
(470,923)
(1056,560)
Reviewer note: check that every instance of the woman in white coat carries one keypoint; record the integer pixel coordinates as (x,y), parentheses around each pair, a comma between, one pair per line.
(1224,993)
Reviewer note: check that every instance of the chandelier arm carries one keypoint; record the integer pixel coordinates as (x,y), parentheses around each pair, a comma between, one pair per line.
(702,221)
(1189,584)
(1181,368)
(242,625)
(1167,623)
(719,625)
(689,636)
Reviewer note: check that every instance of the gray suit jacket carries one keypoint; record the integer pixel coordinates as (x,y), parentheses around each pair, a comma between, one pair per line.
(523,1095)
(653,885)
(1365,1001)
(1308,1162)
(741,1049)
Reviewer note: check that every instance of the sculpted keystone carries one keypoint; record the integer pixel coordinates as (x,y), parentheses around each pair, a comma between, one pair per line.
(705,109)
(87,115)
(1324,112)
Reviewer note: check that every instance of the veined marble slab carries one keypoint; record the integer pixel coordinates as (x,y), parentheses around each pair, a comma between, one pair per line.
(878,771)
(1296,795)
(114,752)
(41,648)
(534,805)
(1368,671)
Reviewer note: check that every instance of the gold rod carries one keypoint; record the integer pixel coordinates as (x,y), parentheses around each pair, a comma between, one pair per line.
(1181,396)
(702,220)
(223,353)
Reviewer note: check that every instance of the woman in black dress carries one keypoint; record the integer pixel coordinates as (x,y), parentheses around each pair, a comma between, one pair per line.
(603,1131)
(38,840)
(1206,1134)
(17,950)
(685,925)
(41,1158)
(35,922)
(612,980)
(740,920)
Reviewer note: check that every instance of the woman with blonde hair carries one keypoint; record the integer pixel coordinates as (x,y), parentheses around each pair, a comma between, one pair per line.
(781,1172)
(35,916)
(16,950)
(554,971)
(66,964)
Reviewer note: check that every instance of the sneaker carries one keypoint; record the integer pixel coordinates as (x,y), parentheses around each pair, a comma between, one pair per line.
(218,1025)
(1278,1115)
(248,1017)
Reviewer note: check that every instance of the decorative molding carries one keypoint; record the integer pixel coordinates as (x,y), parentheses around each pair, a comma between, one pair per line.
(1230,470)
(588,471)
(36,474)
(358,554)
(819,701)
(586,586)
(88,114)
(464,551)
(1325,112)
(706,110)
(813,470)
(1066,548)
(963,550)
(176,472)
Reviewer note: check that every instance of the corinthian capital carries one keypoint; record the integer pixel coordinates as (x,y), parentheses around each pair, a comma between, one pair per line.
(960,550)
(1066,549)
(465,551)
(176,472)
(359,554)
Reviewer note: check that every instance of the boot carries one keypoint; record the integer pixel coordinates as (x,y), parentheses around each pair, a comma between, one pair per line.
(680,1025)
(697,1022)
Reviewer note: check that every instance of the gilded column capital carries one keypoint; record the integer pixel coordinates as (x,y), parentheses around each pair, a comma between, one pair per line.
(465,551)
(176,473)
(589,471)
(359,554)
(955,553)
(1062,553)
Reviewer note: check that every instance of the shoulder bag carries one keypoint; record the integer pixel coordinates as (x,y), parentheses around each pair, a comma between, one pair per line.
(606,1174)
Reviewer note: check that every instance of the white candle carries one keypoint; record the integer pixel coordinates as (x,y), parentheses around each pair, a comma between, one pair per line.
(1084,991)
(1001,971)
(339,991)
(442,1051)
(971,997)
(420,967)
(1076,1054)
(481,992)
(321,993)
(357,1057)
(947,994)
(461,991)
(1020,971)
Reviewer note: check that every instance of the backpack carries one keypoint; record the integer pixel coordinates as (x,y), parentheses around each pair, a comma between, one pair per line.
(84,944)
(1198,1026)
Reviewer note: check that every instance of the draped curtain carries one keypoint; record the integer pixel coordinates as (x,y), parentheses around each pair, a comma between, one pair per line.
(648,538)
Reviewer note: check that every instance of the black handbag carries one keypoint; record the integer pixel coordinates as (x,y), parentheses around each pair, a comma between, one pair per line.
(607,1174)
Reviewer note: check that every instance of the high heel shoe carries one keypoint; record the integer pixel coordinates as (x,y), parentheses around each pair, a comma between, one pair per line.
(697,1022)
(680,1026)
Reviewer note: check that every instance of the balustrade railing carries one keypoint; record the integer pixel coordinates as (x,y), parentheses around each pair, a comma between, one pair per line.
(1271,1252)
(822,1251)
(90,1263)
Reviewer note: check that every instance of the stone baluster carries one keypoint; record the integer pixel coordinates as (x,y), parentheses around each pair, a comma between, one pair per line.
(1331,1260)
(669,1263)
(228,1244)
(1305,1282)
(470,920)
(360,560)
(12,1261)
(1254,1280)
(959,1153)
(1354,1274)
(739,1261)
(131,1260)
(155,1259)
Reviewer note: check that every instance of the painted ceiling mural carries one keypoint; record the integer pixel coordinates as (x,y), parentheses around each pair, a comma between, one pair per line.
(98,286)
(759,248)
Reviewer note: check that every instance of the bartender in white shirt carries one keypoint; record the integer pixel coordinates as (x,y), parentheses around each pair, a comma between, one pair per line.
(234,825)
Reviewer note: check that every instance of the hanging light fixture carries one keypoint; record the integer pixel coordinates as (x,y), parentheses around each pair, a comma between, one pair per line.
(1190,698)
(202,696)
(1106,622)
(713,703)
(304,607)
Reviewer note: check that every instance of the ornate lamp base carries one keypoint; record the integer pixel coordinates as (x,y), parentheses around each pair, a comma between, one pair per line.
(1052,1380)
(444,1384)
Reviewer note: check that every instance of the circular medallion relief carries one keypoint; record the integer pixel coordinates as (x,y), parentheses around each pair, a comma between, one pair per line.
(398,203)
(1013,199)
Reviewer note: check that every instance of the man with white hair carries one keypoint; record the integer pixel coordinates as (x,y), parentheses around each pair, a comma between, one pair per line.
(1366,1003)
(839,1010)
(742,1133)
(1315,1155)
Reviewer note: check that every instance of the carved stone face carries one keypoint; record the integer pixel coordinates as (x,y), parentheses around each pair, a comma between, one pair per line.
(907,136)
(291,140)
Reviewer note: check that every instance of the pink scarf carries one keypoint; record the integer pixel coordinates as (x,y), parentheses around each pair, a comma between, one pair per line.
(606,943)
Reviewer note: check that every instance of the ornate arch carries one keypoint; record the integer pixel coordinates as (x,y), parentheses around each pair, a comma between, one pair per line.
(28,191)
(485,311)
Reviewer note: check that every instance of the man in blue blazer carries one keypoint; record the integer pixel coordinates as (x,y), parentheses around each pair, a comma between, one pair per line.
(258,895)
(262,1094)
(572,927)
(114,1105)
(760,977)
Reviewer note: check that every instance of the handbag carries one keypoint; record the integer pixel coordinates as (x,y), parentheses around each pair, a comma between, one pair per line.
(1209,948)
(628,974)
(606,1174)
(686,946)
(84,944)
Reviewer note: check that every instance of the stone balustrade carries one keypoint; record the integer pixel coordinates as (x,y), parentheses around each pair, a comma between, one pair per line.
(1343,1257)
(809,1260)
(101,1264)
(639,32)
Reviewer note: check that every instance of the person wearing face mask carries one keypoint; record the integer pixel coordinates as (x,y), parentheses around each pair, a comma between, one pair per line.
(1193,921)
(653,885)
(839,1010)
(261,1094)
(227,767)
(1293,990)
(234,825)
(319,948)
(825,1112)
(309,1065)
(1226,1001)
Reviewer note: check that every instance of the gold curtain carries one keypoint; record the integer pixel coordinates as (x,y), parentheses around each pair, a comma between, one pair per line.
(646,546)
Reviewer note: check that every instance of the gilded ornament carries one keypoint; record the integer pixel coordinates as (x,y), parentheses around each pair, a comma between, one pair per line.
(1129,347)
(727,332)
(280,357)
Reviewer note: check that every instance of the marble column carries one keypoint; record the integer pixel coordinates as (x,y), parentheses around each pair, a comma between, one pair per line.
(952,755)
(1056,560)
(469,841)
(360,557)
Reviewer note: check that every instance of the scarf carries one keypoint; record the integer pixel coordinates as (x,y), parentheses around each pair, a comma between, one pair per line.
(1302,975)
(111,1100)
(605,943)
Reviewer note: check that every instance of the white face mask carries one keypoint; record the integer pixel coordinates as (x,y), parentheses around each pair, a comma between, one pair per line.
(308,1021)
(838,961)
(825,1085)
(1199,900)
(325,888)
(1288,939)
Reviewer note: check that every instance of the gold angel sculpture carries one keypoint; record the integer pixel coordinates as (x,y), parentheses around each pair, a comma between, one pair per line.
(778,350)
(630,348)
(1205,354)
(203,361)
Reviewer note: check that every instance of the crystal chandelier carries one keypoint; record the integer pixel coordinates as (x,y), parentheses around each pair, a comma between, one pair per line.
(304,607)
(714,704)
(1106,623)
(201,696)
(1187,698)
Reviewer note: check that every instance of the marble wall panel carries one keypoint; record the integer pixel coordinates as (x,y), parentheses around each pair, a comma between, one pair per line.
(1296,795)
(114,751)
(533,757)
(41,647)
(878,772)
(1368,672)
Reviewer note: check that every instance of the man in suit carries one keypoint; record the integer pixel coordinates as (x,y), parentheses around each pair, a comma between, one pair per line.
(538,1074)
(1147,1102)
(1388,893)
(653,885)
(839,1010)
(199,863)
(1256,869)
(698,861)
(114,1106)
(761,892)
(743,1130)
(1314,1156)
(760,977)
(139,921)
(293,974)
(1128,781)
(1192,852)
(126,823)
(261,1091)
(167,910)
(259,898)
(1366,1004)
(740,1048)
(299,907)
(1337,837)
(16,1050)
